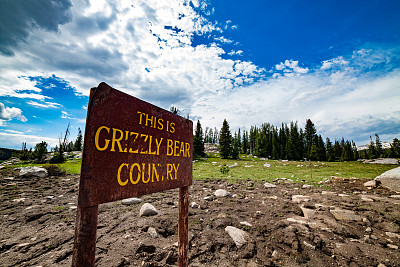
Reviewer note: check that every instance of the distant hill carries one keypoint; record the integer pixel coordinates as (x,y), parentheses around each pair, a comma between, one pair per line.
(5,153)
(365,147)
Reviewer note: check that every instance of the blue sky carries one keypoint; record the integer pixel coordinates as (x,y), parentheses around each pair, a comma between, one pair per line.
(250,62)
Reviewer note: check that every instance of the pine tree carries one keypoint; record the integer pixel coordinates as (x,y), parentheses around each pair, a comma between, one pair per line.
(321,151)
(330,154)
(235,147)
(378,145)
(310,136)
(245,143)
(395,148)
(225,141)
(355,152)
(371,149)
(78,141)
(198,141)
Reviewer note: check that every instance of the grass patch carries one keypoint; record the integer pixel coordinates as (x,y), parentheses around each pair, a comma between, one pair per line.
(71,166)
(251,168)
(210,168)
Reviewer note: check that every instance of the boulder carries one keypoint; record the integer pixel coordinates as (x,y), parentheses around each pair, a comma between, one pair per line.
(269,185)
(345,215)
(240,237)
(147,210)
(370,184)
(153,232)
(300,198)
(33,172)
(130,201)
(222,193)
(390,179)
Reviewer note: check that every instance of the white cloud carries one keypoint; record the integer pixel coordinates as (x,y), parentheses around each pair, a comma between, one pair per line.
(65,115)
(44,104)
(15,140)
(145,50)
(290,66)
(339,61)
(7,114)
(348,102)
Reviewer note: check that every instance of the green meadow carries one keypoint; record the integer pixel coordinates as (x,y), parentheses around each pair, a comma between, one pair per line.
(252,168)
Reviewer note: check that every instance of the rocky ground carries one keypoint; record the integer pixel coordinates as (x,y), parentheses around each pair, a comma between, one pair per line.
(341,223)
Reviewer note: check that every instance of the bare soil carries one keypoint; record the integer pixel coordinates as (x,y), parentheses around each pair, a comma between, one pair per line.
(37,219)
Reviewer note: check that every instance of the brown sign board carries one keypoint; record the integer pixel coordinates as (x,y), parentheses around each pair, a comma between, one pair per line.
(132,148)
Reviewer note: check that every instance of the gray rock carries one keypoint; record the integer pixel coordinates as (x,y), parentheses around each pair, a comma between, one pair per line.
(269,185)
(390,179)
(267,165)
(148,210)
(308,213)
(240,237)
(370,184)
(208,198)
(153,232)
(222,193)
(194,205)
(300,198)
(393,235)
(33,171)
(130,201)
(345,215)
(246,224)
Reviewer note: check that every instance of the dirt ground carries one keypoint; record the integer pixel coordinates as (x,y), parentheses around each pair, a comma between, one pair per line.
(336,224)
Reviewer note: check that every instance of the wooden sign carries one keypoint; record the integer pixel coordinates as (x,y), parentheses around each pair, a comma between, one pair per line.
(131,148)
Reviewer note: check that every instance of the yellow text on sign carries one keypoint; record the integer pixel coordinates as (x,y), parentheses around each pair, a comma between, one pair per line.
(146,172)
(117,140)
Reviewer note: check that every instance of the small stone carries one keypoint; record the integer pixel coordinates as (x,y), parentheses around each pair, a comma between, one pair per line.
(131,201)
(370,184)
(307,186)
(395,196)
(275,254)
(73,207)
(300,198)
(208,198)
(392,246)
(246,224)
(153,232)
(194,205)
(148,210)
(269,185)
(240,237)
(345,215)
(381,265)
(392,235)
(308,213)
(308,245)
(368,230)
(267,165)
(33,171)
(367,199)
(222,193)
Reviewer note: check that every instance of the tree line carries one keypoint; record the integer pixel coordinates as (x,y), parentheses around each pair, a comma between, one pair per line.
(41,149)
(286,142)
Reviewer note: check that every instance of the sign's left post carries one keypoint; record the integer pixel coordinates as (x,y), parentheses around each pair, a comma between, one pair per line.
(85,236)
(85,229)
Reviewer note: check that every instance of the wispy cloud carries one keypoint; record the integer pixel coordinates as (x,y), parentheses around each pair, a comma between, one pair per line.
(347,101)
(44,104)
(16,139)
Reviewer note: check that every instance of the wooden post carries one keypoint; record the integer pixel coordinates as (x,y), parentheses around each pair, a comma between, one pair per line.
(183,226)
(85,236)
